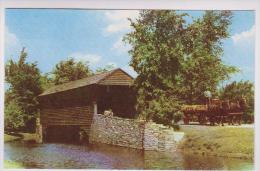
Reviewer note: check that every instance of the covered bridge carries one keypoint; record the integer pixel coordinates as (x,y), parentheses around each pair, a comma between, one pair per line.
(68,108)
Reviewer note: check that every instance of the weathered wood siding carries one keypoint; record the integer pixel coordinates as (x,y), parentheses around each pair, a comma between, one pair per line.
(81,116)
(117,78)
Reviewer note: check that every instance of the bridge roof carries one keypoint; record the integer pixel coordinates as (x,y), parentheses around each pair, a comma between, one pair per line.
(113,77)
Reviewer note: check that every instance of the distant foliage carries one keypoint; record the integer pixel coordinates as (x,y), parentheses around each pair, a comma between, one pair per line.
(70,70)
(108,67)
(237,90)
(46,81)
(25,85)
(176,61)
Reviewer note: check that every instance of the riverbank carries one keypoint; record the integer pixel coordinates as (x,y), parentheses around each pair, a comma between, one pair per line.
(15,137)
(20,136)
(227,141)
(12,165)
(9,138)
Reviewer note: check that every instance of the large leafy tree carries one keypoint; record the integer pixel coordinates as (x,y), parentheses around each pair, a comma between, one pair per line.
(24,87)
(70,70)
(175,59)
(203,68)
(156,63)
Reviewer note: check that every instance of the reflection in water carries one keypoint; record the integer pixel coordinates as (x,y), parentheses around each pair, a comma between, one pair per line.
(102,156)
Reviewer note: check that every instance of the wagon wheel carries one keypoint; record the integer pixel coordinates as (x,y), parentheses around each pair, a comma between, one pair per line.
(186,119)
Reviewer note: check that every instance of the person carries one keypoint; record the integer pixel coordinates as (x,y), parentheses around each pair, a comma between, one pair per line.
(83,136)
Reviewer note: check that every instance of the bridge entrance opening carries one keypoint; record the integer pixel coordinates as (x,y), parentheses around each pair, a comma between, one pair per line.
(63,133)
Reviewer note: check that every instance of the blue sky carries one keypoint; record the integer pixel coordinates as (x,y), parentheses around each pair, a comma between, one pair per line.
(51,35)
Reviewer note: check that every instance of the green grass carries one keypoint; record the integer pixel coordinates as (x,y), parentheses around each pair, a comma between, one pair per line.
(8,138)
(22,136)
(29,137)
(220,141)
(12,165)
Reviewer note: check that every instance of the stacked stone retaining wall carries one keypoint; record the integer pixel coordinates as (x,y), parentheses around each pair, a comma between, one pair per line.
(117,131)
(132,133)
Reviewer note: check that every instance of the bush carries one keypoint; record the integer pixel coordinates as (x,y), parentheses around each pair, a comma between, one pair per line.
(177,116)
(164,109)
(14,116)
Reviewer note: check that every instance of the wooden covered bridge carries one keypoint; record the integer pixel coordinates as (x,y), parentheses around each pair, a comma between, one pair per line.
(68,108)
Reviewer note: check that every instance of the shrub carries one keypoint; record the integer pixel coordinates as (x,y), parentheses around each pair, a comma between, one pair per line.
(14,116)
(177,116)
(164,109)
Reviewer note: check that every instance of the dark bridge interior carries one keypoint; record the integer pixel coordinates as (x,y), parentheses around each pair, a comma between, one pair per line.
(63,134)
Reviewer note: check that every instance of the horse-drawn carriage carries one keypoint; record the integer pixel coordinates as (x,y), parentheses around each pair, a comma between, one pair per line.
(215,111)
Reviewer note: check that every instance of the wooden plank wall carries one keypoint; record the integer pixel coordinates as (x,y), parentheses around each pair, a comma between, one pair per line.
(81,116)
(117,78)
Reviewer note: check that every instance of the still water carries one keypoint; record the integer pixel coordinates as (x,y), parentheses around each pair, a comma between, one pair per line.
(100,156)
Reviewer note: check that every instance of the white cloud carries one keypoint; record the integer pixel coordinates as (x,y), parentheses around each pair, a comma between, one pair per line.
(10,38)
(118,20)
(245,37)
(130,71)
(120,46)
(91,58)
(12,43)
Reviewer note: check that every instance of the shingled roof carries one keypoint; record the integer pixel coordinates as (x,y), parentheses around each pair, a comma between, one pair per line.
(94,79)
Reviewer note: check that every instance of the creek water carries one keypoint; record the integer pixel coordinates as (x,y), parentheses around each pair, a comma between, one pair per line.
(101,156)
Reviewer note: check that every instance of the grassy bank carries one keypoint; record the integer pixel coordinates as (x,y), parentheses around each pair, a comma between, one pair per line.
(14,137)
(218,141)
(20,136)
(12,165)
(8,138)
(29,137)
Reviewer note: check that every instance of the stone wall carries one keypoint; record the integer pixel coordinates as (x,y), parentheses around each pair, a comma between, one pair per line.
(133,133)
(117,131)
(159,137)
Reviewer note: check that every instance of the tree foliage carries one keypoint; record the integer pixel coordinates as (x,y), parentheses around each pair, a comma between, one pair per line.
(14,116)
(108,67)
(202,68)
(237,90)
(164,108)
(176,60)
(70,70)
(46,81)
(25,86)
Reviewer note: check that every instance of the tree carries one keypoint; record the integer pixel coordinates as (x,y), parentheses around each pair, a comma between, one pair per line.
(25,86)
(70,70)
(237,90)
(202,68)
(108,67)
(46,81)
(202,72)
(155,60)
(176,60)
